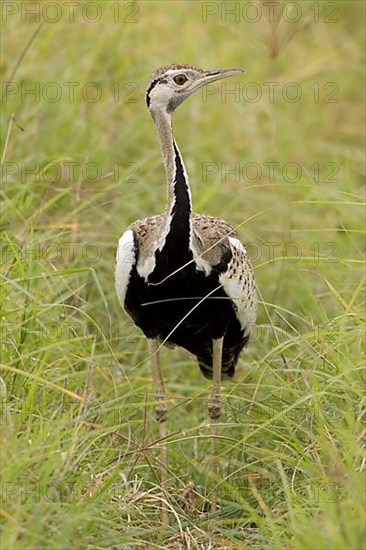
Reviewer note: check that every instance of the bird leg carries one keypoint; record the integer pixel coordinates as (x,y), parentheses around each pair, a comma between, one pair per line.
(214,409)
(161,410)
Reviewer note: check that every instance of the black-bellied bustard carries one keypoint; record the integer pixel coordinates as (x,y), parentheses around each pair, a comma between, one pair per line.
(185,278)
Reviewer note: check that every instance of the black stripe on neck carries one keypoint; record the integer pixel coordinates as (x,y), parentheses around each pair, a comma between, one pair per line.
(182,205)
(176,249)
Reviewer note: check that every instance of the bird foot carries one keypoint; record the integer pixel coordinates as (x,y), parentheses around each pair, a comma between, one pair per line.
(214,409)
(189,497)
(161,412)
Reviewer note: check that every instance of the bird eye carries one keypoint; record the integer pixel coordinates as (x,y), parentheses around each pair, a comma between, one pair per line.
(180,79)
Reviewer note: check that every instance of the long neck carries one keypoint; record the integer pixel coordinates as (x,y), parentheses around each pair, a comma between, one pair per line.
(177,214)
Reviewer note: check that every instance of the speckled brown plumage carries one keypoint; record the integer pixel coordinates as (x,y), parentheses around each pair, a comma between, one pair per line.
(173,67)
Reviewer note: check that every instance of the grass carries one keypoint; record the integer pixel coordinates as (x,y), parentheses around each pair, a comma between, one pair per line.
(79,447)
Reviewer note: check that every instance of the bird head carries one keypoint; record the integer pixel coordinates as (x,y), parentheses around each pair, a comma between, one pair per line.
(170,86)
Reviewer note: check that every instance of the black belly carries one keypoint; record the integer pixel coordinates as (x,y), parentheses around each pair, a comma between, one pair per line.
(189,309)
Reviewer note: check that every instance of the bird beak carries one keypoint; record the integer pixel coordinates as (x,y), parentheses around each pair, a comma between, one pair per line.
(212,76)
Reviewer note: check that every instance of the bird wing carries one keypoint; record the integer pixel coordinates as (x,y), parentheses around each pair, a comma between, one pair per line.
(135,243)
(147,232)
(210,242)
(239,284)
(125,260)
(222,249)
(133,251)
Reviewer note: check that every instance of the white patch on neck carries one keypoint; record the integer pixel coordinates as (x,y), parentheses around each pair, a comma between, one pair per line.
(160,96)
(125,260)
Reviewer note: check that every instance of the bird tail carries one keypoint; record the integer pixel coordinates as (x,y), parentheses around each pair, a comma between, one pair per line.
(230,356)
(227,371)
